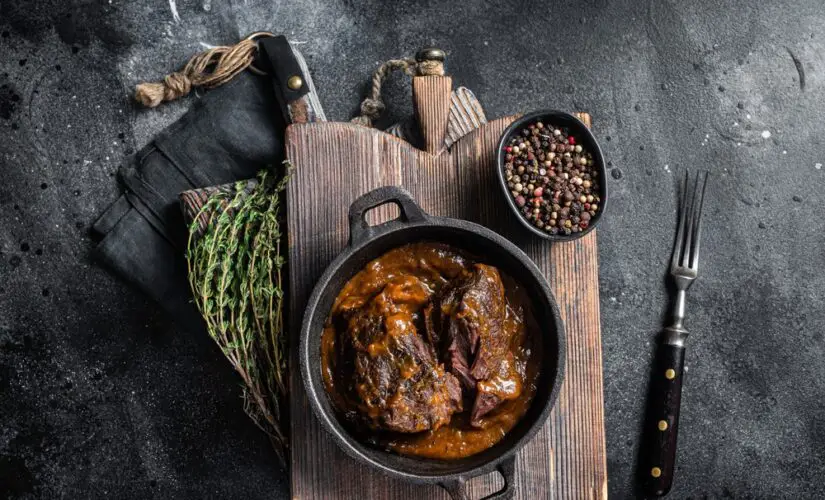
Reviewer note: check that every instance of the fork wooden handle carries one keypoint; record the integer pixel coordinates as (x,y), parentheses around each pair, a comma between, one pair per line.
(659,457)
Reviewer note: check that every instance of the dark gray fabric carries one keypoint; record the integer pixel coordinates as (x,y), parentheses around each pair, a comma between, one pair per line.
(229,134)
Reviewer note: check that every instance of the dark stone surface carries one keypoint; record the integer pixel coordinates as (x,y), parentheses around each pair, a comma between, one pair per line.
(101,396)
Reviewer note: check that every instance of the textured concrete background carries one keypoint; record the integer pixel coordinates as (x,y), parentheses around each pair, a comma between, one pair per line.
(100,394)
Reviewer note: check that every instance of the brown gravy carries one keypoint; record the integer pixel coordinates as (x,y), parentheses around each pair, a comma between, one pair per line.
(434,265)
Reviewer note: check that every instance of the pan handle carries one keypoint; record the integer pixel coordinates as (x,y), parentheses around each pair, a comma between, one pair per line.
(360,230)
(507,468)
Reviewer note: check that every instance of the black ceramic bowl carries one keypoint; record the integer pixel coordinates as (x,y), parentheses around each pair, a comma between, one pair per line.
(370,242)
(583,135)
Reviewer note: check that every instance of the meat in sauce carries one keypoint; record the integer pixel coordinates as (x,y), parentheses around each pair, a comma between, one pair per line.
(470,313)
(396,384)
(426,352)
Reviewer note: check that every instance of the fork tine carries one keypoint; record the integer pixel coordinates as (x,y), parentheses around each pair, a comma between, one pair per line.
(694,251)
(677,245)
(689,229)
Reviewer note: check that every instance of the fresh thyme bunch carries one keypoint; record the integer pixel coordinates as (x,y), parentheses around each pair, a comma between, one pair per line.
(236,272)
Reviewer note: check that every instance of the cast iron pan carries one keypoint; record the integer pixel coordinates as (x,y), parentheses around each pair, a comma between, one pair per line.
(369,242)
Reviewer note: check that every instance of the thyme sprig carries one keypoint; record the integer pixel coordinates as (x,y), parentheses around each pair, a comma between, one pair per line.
(236,272)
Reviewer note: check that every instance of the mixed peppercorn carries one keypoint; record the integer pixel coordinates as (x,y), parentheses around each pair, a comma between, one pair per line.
(552,179)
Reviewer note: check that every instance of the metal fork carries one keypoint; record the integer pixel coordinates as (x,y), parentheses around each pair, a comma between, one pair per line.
(662,423)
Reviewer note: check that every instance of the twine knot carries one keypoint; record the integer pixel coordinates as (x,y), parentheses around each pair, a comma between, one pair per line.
(430,68)
(371,109)
(207,70)
(174,85)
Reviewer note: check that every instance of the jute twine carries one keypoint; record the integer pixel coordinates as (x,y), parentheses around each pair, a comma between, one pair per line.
(218,65)
(372,106)
(206,70)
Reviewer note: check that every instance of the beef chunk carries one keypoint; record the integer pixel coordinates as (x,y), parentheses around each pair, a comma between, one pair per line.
(396,382)
(469,328)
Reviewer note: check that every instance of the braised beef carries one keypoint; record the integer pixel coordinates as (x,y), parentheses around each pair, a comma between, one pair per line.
(396,383)
(424,345)
(470,313)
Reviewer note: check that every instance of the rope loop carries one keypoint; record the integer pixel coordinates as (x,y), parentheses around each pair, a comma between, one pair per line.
(372,106)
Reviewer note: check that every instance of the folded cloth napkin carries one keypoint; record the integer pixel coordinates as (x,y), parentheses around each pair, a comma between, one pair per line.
(229,134)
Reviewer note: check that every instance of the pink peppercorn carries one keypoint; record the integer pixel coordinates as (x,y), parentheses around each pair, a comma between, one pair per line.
(538,192)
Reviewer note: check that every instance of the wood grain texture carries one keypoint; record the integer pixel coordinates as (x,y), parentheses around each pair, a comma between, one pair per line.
(466,115)
(337,162)
(431,100)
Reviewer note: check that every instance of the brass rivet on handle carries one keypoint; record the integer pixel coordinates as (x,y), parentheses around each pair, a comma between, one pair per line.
(662,425)
(295,82)
(670,374)
(430,54)
(655,472)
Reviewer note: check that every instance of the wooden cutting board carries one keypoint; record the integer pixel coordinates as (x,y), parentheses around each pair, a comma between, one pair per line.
(334,163)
